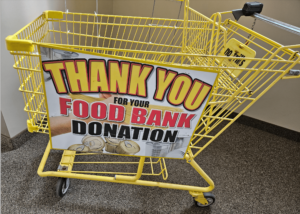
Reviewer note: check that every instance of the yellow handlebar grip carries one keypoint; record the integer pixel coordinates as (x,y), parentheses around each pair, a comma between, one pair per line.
(52,14)
(15,44)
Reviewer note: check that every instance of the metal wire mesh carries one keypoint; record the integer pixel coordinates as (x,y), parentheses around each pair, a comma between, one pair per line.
(196,41)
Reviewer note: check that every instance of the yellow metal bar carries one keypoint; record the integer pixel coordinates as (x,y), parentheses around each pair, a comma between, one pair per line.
(51,14)
(113,173)
(200,135)
(253,33)
(44,159)
(217,117)
(134,182)
(202,173)
(114,162)
(195,147)
(109,38)
(138,174)
(151,166)
(118,24)
(185,24)
(226,12)
(113,16)
(15,44)
(290,77)
(261,94)
(68,159)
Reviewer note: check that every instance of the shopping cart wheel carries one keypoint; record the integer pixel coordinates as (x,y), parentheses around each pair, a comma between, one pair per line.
(62,186)
(209,197)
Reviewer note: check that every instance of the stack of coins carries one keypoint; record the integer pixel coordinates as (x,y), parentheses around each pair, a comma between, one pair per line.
(95,144)
(79,148)
(111,145)
(128,147)
(89,144)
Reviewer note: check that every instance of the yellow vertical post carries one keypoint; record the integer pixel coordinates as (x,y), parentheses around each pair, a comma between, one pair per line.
(185,24)
(138,174)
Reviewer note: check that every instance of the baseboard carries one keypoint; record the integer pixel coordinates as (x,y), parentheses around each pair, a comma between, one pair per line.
(268,127)
(8,144)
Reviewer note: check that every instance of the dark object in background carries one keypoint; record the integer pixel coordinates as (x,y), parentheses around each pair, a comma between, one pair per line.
(248,10)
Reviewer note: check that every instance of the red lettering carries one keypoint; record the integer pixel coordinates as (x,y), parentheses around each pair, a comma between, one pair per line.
(98,110)
(169,119)
(154,117)
(138,115)
(63,105)
(184,120)
(81,109)
(116,113)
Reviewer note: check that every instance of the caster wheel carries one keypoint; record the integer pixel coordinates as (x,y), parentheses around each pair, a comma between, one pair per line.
(209,197)
(62,186)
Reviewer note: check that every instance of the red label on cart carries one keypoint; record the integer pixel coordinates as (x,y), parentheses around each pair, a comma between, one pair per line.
(108,105)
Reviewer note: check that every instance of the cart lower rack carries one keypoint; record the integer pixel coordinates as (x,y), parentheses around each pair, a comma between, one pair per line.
(203,67)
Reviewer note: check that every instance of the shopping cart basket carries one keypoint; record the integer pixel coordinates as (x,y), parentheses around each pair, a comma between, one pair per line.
(247,65)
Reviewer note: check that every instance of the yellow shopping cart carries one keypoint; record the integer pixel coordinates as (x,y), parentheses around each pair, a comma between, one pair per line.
(244,63)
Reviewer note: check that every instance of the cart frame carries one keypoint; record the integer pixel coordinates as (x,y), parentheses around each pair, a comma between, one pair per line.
(198,41)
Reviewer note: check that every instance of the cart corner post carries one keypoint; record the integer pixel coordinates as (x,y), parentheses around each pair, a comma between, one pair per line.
(194,164)
(52,14)
(185,24)
(43,161)
(15,44)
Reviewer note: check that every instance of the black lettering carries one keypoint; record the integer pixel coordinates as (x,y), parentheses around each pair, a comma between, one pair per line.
(237,61)
(170,137)
(136,132)
(156,135)
(110,131)
(228,52)
(136,103)
(242,63)
(146,134)
(115,99)
(141,103)
(119,100)
(146,104)
(95,128)
(78,127)
(124,132)
(131,102)
(125,100)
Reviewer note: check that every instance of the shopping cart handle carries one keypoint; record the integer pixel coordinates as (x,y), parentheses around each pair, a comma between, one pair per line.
(254,9)
(294,72)
(279,24)
(249,9)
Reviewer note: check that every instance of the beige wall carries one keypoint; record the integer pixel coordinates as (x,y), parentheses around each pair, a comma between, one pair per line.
(281,104)
(15,14)
(89,6)
(4,130)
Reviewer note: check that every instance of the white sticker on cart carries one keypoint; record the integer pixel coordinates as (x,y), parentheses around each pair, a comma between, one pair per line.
(108,105)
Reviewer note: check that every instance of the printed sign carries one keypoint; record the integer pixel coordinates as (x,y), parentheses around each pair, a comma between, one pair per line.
(107,105)
(235,48)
